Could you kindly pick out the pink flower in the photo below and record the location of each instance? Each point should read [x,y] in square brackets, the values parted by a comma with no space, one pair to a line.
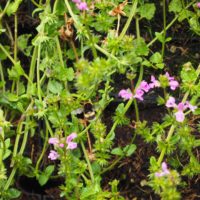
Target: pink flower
[179,116]
[76,1]
[54,141]
[154,82]
[170,78]
[198,4]
[173,84]
[53,155]
[139,94]
[171,102]
[144,86]
[164,171]
[181,106]
[125,94]
[82,6]
[191,107]
[70,144]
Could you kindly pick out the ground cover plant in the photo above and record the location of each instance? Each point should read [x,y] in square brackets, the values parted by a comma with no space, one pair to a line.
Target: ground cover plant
[101,95]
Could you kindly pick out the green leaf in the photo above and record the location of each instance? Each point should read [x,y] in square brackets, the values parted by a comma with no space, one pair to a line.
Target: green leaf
[70,74]
[49,170]
[3,56]
[185,14]
[16,71]
[55,87]
[42,179]
[175,6]
[13,6]
[140,46]
[147,10]
[60,7]
[129,149]
[117,151]
[13,193]
[156,58]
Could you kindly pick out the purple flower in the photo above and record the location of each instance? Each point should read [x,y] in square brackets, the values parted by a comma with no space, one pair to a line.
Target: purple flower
[76,1]
[53,155]
[70,144]
[125,94]
[198,4]
[170,78]
[54,141]
[164,171]
[82,6]
[181,106]
[171,102]
[154,83]
[144,86]
[139,94]
[191,107]
[173,84]
[179,116]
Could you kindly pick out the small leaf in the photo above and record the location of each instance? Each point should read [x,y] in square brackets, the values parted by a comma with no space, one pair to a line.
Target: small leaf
[13,6]
[117,151]
[140,46]
[156,58]
[49,170]
[42,179]
[55,87]
[129,149]
[13,193]
[175,6]
[147,10]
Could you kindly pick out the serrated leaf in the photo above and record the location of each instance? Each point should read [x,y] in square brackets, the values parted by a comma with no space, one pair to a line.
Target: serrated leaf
[13,6]
[175,6]
[147,10]
[141,48]
[156,58]
[55,87]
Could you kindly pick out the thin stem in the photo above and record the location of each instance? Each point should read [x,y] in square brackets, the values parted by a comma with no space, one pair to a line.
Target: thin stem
[15,36]
[164,30]
[169,25]
[162,154]
[38,73]
[32,67]
[118,24]
[7,54]
[137,27]
[59,52]
[136,110]
[2,77]
[43,149]
[128,22]
[4,10]
[88,162]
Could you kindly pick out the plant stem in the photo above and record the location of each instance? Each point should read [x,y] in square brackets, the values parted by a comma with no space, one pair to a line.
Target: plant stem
[164,30]
[162,154]
[2,77]
[88,162]
[169,25]
[32,67]
[15,36]
[132,14]
[43,149]
[137,27]
[38,74]
[7,54]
